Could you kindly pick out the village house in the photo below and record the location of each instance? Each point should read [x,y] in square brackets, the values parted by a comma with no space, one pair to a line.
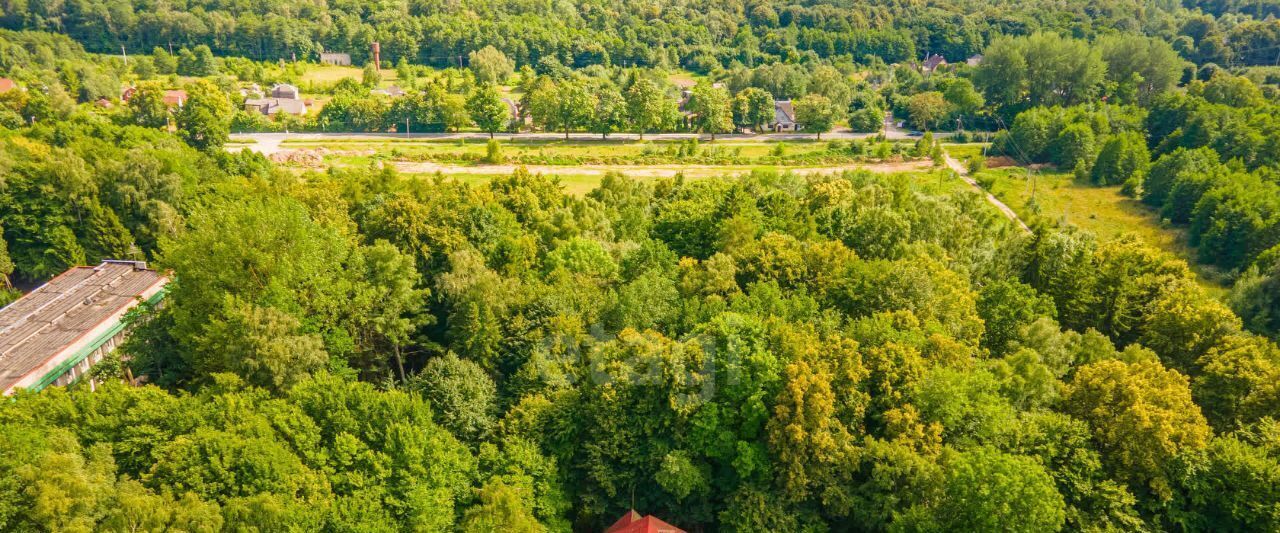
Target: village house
[285,90]
[632,522]
[175,98]
[974,60]
[687,117]
[7,85]
[784,116]
[517,119]
[285,98]
[272,106]
[932,63]
[53,335]
[335,58]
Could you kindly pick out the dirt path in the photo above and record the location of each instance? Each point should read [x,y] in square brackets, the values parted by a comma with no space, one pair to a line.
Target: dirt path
[964,175]
[649,171]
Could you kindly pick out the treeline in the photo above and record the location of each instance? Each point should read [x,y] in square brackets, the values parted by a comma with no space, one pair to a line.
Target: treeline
[578,34]
[763,353]
[702,38]
[595,100]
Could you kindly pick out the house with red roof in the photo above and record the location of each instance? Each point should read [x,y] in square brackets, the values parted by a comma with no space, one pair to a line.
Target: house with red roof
[7,85]
[175,98]
[632,522]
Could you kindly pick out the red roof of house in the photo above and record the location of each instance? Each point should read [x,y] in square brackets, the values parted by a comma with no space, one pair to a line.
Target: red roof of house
[7,85]
[175,97]
[632,522]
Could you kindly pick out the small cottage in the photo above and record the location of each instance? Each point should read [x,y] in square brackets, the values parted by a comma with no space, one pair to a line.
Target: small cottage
[784,116]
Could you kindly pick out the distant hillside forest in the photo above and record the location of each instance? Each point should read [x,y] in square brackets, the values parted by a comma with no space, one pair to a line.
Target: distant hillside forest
[699,35]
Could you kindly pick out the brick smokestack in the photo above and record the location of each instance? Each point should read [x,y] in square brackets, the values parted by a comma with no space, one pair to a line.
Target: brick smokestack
[377,54]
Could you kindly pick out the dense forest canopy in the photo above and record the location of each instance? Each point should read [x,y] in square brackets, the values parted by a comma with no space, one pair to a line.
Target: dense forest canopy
[693,34]
[356,349]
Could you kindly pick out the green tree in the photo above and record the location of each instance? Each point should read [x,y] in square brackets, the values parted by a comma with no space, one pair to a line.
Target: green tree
[490,65]
[274,326]
[1152,62]
[1123,156]
[610,113]
[501,509]
[1142,416]
[927,109]
[985,490]
[648,107]
[815,113]
[713,109]
[198,62]
[563,105]
[205,118]
[867,113]
[964,100]
[148,107]
[753,107]
[463,396]
[371,76]
[451,112]
[165,62]
[488,110]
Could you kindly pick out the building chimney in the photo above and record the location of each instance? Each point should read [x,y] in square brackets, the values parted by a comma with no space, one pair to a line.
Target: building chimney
[377,54]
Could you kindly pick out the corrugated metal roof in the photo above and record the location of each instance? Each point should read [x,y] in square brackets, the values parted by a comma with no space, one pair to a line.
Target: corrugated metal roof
[43,324]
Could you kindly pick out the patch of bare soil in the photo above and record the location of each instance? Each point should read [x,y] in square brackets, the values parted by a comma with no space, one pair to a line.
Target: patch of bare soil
[312,157]
[1000,161]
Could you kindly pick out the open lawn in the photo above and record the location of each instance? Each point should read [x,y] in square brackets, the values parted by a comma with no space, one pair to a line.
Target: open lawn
[1102,211]
[963,151]
[333,73]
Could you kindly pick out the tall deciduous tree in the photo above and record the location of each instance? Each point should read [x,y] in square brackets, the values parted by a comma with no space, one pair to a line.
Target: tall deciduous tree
[753,107]
[1141,414]
[490,65]
[487,109]
[148,107]
[205,118]
[1124,156]
[713,109]
[610,113]
[815,113]
[649,107]
[563,105]
[927,109]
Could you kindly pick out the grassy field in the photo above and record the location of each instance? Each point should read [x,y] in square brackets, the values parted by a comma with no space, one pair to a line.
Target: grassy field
[1102,211]
[964,151]
[418,149]
[334,73]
